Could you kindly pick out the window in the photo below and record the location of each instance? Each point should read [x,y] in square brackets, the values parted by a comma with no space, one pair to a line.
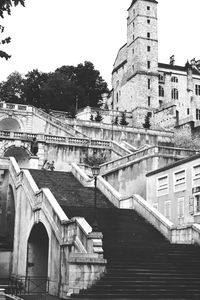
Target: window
[117,97]
[149,101]
[133,67]
[148,7]
[161,78]
[148,35]
[149,83]
[197,203]
[180,210]
[179,181]
[133,24]
[197,89]
[161,91]
[148,48]
[133,37]
[174,94]
[174,79]
[188,111]
[162,185]
[133,51]
[167,209]
[197,114]
[148,64]
[148,21]
[196,176]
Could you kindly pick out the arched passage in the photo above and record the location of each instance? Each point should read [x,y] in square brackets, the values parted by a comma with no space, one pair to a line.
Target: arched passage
[10,215]
[37,258]
[20,154]
[10,124]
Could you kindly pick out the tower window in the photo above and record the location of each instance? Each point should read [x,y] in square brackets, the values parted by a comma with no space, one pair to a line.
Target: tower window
[161,91]
[197,114]
[133,37]
[148,35]
[188,111]
[174,79]
[148,21]
[148,48]
[197,89]
[133,67]
[148,64]
[174,94]
[133,50]
[149,101]
[117,97]
[133,24]
[149,83]
[148,7]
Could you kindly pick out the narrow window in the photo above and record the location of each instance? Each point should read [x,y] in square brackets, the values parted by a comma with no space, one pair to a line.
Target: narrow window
[188,111]
[148,35]
[179,181]
[148,48]
[148,64]
[174,79]
[162,186]
[117,97]
[148,7]
[149,83]
[133,37]
[181,210]
[133,24]
[161,91]
[174,94]
[197,114]
[133,67]
[167,209]
[133,51]
[149,101]
[197,90]
[148,21]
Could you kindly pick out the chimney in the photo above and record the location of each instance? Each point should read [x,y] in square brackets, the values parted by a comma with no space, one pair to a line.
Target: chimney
[172,60]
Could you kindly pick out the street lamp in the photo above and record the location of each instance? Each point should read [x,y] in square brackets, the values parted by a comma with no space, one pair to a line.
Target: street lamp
[95,173]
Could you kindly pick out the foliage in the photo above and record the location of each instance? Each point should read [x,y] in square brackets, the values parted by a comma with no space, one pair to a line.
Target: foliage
[5,7]
[91,118]
[98,117]
[116,121]
[95,160]
[66,89]
[147,123]
[123,119]
[12,90]
[186,140]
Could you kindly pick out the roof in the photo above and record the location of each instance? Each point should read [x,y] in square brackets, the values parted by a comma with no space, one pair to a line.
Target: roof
[121,57]
[173,165]
[133,2]
[177,68]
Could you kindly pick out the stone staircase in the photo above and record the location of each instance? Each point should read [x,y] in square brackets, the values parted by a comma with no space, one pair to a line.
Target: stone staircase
[142,264]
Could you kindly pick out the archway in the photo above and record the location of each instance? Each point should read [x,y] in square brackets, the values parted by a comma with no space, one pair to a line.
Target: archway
[37,259]
[20,154]
[10,124]
[10,216]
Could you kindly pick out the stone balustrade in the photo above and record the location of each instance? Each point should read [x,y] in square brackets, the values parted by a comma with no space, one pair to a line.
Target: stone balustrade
[153,150]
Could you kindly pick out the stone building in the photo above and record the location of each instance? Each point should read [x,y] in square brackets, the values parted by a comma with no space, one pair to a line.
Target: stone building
[140,83]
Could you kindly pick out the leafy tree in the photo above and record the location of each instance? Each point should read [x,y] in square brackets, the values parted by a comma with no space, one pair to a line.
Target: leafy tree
[123,119]
[5,7]
[98,117]
[147,123]
[186,140]
[33,83]
[12,89]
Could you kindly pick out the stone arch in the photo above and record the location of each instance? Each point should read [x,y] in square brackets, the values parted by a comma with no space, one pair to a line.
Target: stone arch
[21,155]
[10,124]
[37,257]
[10,215]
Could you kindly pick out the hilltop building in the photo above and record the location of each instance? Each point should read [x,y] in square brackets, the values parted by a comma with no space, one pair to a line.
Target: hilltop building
[141,83]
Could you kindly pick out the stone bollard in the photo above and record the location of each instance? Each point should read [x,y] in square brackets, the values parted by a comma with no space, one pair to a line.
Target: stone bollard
[2,294]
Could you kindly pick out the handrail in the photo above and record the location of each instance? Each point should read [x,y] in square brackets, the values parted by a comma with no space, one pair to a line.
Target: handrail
[108,166]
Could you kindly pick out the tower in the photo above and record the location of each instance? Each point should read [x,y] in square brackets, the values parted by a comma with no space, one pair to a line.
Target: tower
[142,53]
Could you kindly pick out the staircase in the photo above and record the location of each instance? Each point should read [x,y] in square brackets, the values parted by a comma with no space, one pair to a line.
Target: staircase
[142,264]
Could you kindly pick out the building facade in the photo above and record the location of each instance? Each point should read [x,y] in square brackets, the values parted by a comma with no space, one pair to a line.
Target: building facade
[140,83]
[174,191]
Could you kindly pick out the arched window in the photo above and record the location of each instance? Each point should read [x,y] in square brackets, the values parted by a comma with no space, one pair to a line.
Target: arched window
[174,79]
[161,91]
[174,94]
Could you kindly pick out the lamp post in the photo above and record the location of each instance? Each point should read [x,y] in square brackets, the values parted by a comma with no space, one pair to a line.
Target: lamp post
[95,173]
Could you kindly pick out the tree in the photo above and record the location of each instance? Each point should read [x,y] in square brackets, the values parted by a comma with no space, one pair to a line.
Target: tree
[5,7]
[147,123]
[33,84]
[98,117]
[123,119]
[184,139]
[12,89]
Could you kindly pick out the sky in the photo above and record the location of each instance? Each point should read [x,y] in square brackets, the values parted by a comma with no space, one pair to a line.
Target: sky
[48,34]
